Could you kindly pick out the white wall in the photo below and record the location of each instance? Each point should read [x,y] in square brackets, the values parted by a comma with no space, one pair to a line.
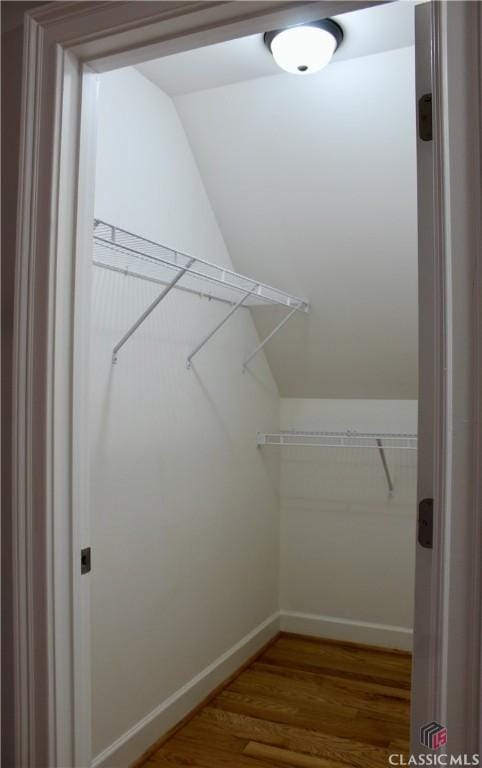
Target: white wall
[313,181]
[185,509]
[347,548]
[185,521]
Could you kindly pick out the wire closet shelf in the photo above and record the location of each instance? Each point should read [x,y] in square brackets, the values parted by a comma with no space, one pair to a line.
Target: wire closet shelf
[121,251]
[378,440]
[349,439]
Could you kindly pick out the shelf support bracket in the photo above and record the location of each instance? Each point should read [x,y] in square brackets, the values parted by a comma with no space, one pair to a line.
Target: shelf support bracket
[150,309]
[220,324]
[381,451]
[270,336]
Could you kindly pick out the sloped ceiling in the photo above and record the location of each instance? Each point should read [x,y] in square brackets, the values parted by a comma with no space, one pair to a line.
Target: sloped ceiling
[373,30]
[313,181]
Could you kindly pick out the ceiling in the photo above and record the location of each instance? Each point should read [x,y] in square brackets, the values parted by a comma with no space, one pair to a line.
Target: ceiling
[368,31]
[313,183]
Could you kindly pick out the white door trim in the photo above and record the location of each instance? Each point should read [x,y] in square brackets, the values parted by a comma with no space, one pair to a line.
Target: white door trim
[458,119]
[51,601]
[447,633]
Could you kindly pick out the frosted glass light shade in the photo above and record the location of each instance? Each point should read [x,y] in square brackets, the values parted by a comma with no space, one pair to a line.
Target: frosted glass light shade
[303,50]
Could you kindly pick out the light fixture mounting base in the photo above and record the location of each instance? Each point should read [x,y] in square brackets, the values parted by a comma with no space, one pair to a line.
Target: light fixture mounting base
[329,25]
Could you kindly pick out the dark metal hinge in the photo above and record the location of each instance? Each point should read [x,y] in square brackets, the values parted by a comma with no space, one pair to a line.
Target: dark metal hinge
[425,523]
[425,117]
[85,563]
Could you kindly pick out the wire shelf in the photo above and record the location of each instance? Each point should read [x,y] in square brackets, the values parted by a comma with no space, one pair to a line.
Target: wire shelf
[348,439]
[122,251]
[378,440]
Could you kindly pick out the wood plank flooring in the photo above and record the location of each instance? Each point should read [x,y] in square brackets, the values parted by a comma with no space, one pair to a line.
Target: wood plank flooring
[304,703]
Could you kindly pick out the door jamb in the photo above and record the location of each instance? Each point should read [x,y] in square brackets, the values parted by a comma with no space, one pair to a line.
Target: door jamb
[49,598]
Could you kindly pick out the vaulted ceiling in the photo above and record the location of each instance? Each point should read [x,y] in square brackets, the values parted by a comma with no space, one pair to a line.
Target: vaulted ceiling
[313,182]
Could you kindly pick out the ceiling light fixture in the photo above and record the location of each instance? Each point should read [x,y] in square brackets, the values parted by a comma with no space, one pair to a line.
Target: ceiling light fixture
[304,49]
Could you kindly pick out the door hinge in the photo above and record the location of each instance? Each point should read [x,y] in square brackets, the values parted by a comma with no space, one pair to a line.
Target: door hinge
[425,117]
[85,563]
[425,523]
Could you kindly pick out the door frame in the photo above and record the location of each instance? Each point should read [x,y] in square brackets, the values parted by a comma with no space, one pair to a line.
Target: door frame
[446,669]
[65,44]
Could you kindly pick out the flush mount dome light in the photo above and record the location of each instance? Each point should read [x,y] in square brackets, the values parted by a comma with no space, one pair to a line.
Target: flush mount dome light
[305,49]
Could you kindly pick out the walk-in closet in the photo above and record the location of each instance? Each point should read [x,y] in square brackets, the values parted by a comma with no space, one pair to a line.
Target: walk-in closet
[253,404]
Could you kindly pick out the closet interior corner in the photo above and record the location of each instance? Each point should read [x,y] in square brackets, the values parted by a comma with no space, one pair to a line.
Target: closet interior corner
[253,404]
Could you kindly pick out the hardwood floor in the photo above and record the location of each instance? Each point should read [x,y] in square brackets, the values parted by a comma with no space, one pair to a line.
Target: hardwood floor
[304,703]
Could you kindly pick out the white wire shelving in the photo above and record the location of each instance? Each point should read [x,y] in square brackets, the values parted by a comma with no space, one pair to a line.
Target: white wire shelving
[347,439]
[121,251]
[380,441]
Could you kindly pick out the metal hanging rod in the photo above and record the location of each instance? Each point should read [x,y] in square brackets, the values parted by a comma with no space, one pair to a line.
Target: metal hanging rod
[380,441]
[119,250]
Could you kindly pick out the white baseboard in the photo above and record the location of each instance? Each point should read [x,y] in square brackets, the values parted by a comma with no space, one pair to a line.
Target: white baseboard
[334,628]
[128,747]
